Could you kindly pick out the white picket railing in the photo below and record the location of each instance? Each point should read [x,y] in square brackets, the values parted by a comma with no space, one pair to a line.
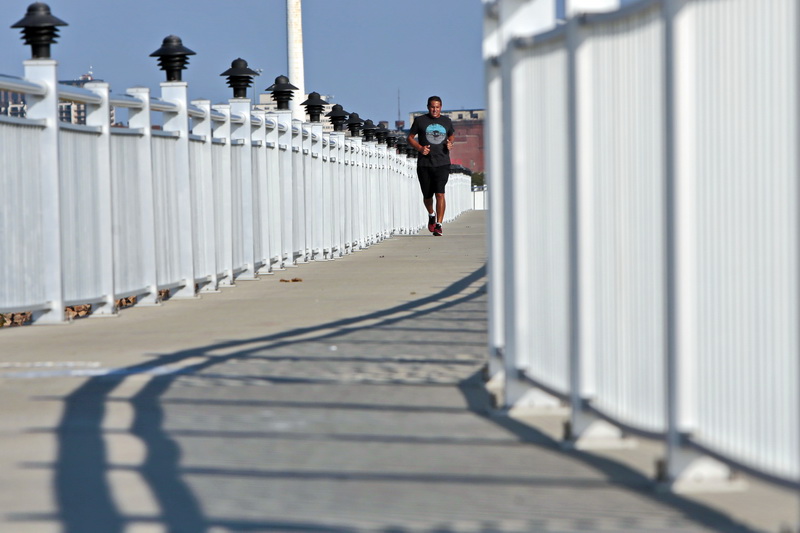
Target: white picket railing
[92,213]
[644,232]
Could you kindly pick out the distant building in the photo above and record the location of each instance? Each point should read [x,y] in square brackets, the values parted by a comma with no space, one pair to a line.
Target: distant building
[13,104]
[468,147]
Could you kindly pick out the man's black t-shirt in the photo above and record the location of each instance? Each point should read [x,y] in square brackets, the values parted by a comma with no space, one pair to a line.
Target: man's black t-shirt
[433,132]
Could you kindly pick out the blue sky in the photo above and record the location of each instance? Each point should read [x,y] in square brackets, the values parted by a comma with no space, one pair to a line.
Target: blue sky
[360,51]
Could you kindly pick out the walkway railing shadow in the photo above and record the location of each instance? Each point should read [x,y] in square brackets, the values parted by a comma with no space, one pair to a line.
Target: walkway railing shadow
[425,343]
[81,471]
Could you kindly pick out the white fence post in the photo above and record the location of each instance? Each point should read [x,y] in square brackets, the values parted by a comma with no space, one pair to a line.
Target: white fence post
[316,191]
[582,203]
[203,128]
[139,119]
[392,186]
[347,194]
[354,194]
[370,184]
[337,181]
[261,183]
[328,222]
[223,200]
[99,116]
[274,195]
[299,238]
[241,134]
[176,92]
[45,107]
[284,119]
[384,192]
[516,277]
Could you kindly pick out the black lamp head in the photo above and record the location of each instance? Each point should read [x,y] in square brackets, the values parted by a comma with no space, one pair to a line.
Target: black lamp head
[314,106]
[39,29]
[354,124]
[240,77]
[172,57]
[338,117]
[382,133]
[369,129]
[282,91]
[402,144]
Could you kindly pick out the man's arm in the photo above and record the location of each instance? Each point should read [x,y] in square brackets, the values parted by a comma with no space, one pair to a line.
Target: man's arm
[424,150]
[451,136]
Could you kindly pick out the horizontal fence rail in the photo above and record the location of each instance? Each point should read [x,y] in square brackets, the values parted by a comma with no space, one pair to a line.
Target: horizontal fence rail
[644,233]
[204,196]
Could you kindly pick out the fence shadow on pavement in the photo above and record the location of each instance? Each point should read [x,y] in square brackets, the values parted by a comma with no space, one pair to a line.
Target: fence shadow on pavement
[426,348]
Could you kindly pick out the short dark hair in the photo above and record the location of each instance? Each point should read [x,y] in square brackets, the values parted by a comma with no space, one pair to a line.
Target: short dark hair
[434,99]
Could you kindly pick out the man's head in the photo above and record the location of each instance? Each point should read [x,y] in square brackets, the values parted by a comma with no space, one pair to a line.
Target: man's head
[435,106]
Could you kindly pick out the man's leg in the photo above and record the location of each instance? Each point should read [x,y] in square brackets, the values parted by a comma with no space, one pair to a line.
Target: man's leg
[427,185]
[442,174]
[428,204]
[440,205]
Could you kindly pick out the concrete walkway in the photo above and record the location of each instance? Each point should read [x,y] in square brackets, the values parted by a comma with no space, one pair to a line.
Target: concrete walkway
[352,400]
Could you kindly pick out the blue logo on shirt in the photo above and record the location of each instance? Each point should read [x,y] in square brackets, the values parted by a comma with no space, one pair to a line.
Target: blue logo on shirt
[435,133]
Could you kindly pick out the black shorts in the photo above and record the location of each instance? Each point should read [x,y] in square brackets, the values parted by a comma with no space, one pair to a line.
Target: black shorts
[433,179]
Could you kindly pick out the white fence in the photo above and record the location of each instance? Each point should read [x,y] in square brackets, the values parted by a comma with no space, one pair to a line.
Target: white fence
[92,213]
[644,222]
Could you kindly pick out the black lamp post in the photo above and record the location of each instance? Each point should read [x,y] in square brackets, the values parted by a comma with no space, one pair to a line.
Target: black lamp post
[382,134]
[402,144]
[391,140]
[240,77]
[338,117]
[354,124]
[314,106]
[282,91]
[172,57]
[39,29]
[369,131]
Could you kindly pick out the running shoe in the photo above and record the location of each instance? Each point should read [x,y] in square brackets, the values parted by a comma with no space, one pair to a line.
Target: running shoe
[437,230]
[431,222]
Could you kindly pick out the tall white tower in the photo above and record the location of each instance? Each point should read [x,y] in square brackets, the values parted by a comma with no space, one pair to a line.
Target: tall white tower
[294,41]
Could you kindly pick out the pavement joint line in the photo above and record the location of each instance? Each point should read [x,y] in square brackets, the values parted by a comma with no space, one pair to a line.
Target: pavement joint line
[49,364]
[95,372]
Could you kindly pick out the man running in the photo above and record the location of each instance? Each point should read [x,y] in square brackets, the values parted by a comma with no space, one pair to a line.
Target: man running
[436,135]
